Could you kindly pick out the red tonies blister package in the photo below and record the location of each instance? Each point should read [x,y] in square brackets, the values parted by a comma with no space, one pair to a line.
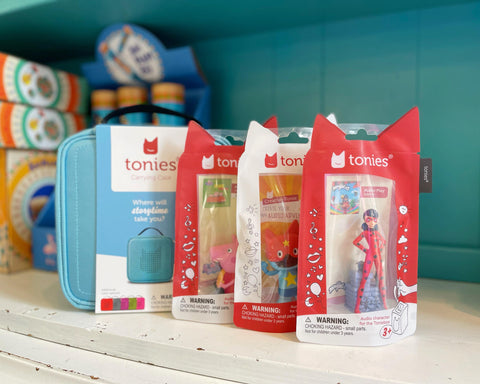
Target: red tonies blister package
[358,239]
[205,229]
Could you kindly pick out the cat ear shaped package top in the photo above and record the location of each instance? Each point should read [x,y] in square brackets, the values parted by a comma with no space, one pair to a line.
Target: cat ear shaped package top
[358,243]
[205,229]
[268,213]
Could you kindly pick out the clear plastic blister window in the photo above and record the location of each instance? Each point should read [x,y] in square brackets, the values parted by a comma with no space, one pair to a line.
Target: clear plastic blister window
[360,233]
[279,213]
[217,197]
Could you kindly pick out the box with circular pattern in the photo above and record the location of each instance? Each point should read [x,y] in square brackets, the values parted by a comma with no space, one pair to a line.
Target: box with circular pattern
[27,179]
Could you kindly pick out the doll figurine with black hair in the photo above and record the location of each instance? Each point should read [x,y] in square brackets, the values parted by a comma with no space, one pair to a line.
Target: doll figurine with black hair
[376,244]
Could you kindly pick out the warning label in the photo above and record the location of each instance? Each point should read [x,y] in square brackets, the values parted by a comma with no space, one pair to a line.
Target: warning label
[266,317]
[371,328]
[161,302]
[194,304]
[330,326]
[208,308]
[342,326]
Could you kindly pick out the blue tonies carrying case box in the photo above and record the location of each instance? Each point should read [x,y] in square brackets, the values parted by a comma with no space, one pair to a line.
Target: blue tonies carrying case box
[76,216]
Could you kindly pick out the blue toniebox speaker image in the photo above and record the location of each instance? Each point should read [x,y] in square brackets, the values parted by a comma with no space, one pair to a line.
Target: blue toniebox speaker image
[150,258]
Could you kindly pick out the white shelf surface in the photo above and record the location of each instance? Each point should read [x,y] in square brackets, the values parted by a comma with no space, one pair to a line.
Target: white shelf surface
[445,348]
[33,360]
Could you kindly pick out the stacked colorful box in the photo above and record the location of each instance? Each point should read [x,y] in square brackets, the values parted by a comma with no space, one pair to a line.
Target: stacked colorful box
[39,108]
[26,82]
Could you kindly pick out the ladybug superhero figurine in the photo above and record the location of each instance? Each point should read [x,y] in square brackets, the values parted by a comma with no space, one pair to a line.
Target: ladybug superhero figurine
[376,244]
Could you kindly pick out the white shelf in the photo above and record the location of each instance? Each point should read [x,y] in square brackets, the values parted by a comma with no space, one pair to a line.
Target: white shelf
[445,348]
[45,362]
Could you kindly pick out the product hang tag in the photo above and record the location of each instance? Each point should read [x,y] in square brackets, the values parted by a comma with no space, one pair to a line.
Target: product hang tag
[425,176]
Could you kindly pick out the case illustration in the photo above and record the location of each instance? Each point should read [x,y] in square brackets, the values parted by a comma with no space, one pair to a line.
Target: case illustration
[150,258]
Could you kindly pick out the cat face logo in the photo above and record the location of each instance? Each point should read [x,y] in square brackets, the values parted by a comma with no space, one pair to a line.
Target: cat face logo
[150,147]
[338,161]
[207,162]
[271,161]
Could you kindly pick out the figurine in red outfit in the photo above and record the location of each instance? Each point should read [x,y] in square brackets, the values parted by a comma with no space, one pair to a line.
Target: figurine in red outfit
[376,244]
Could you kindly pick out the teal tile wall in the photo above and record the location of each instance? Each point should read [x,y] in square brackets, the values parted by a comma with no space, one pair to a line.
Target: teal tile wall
[373,70]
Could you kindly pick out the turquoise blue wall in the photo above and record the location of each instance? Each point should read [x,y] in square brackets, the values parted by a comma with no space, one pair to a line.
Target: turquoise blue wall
[373,70]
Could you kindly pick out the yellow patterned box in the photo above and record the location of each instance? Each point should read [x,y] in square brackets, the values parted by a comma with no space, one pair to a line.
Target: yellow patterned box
[26,82]
[27,179]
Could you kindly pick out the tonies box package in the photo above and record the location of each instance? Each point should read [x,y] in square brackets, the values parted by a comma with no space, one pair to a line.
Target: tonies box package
[136,182]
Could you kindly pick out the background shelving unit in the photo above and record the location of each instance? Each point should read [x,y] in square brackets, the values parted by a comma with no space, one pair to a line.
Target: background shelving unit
[365,61]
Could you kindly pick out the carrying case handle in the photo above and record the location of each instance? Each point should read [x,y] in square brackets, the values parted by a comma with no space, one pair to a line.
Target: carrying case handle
[146,108]
[146,229]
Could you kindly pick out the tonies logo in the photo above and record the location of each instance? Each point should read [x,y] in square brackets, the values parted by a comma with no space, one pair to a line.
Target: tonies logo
[150,147]
[150,165]
[272,161]
[338,161]
[208,162]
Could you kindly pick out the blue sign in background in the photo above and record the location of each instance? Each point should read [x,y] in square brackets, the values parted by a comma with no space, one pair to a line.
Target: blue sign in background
[179,65]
